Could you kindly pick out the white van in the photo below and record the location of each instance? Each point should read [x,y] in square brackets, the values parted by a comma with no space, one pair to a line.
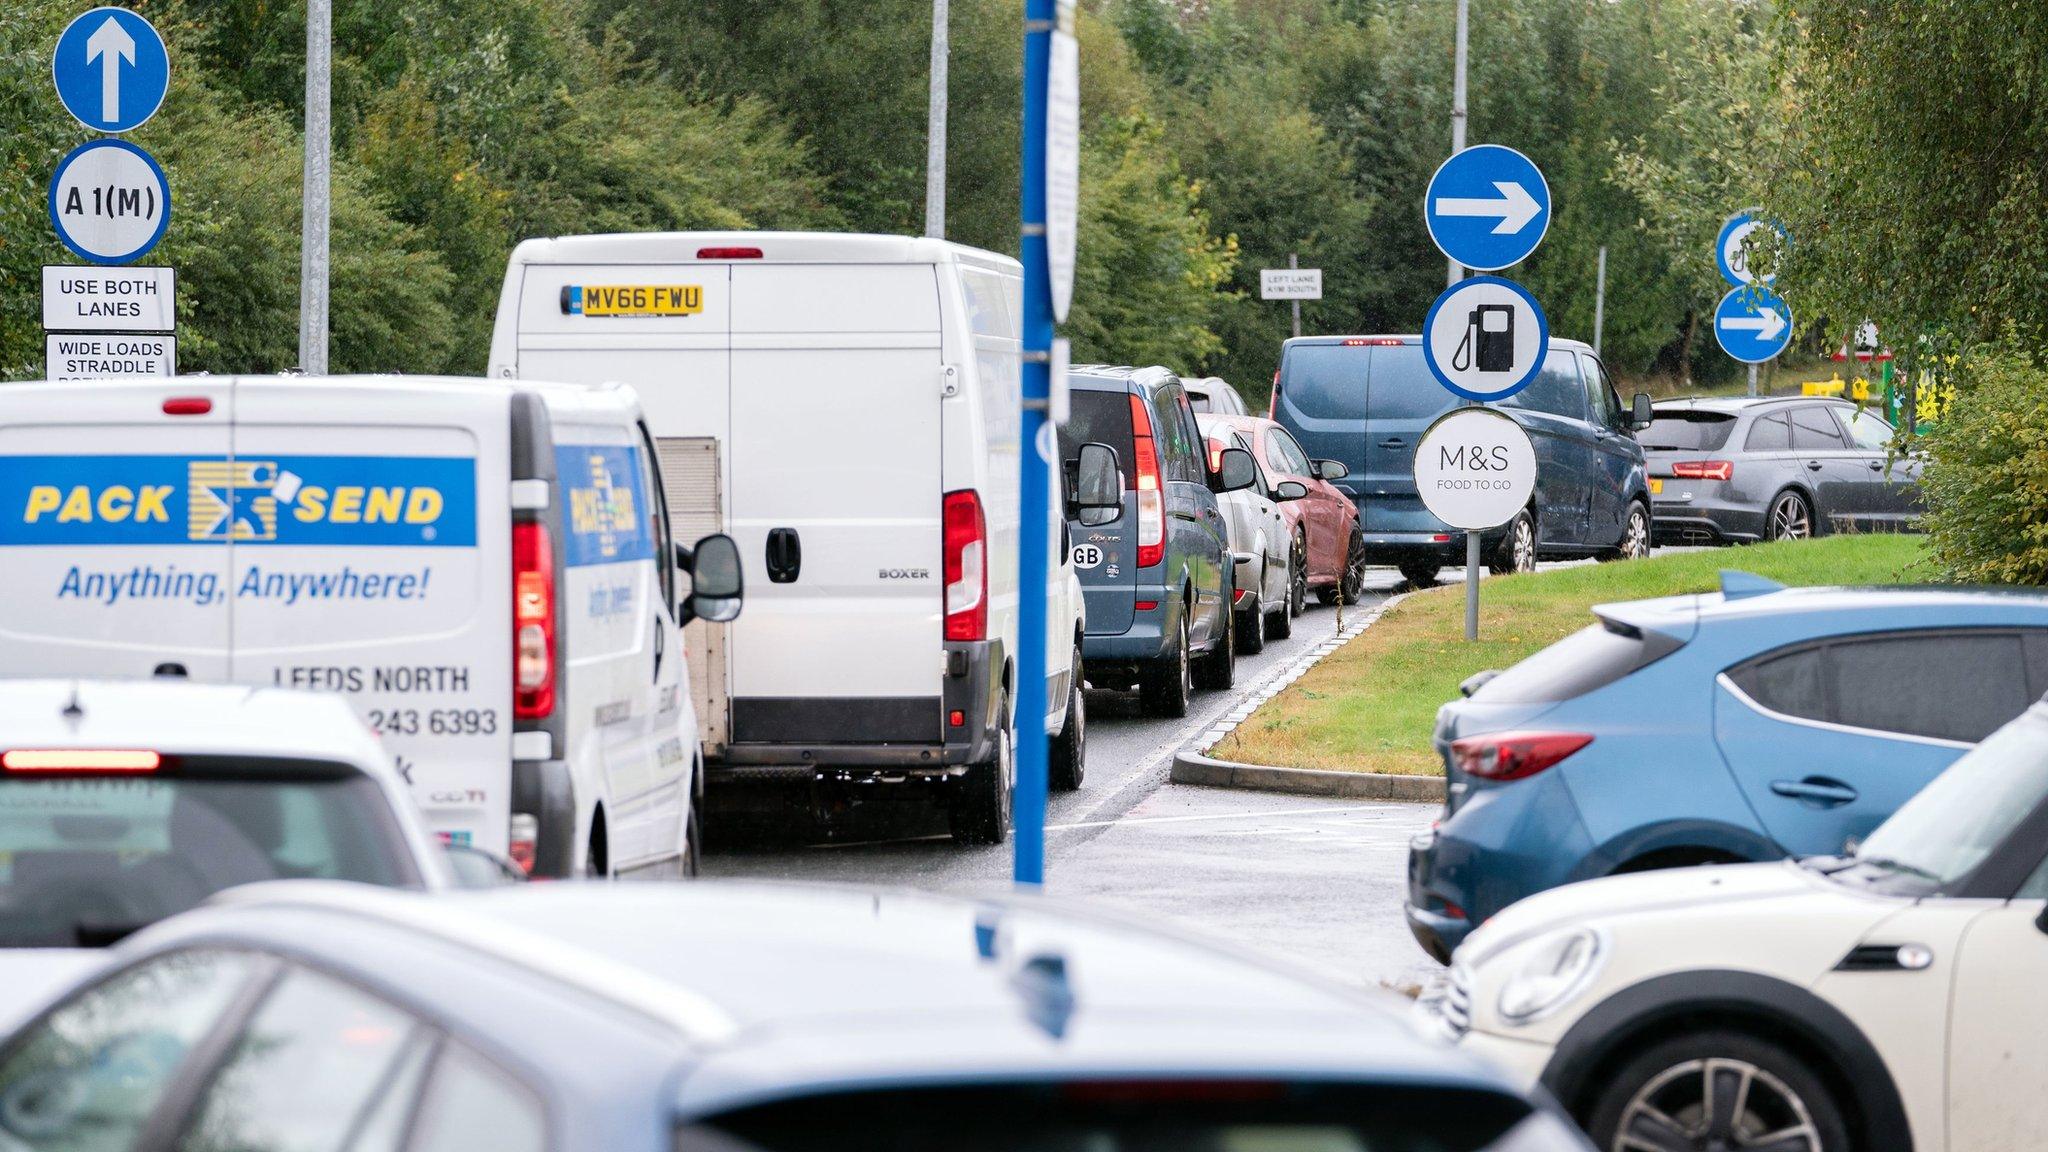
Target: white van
[484,572]
[856,400]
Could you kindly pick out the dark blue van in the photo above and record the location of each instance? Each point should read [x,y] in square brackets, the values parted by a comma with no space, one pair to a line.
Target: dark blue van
[1366,401]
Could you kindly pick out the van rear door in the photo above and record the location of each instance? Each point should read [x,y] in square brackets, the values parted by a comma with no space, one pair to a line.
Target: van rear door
[1403,398]
[1105,555]
[373,559]
[116,517]
[836,502]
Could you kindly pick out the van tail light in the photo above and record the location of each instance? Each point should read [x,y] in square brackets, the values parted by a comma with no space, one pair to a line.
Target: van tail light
[1273,397]
[728,253]
[1704,469]
[533,621]
[523,845]
[966,567]
[1514,755]
[108,761]
[1151,499]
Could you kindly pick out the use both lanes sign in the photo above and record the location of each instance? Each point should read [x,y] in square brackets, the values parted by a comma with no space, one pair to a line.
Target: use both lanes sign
[109,299]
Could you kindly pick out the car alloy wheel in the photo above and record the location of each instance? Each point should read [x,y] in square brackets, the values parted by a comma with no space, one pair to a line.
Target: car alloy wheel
[1297,567]
[1789,518]
[1716,1104]
[1522,544]
[1635,538]
[1352,588]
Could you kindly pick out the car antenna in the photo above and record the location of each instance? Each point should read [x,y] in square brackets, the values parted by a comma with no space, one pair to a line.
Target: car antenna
[73,711]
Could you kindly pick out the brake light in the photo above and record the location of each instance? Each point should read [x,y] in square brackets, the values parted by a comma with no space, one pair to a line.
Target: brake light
[1514,755]
[1151,501]
[533,621]
[523,845]
[728,253]
[966,567]
[1237,596]
[1215,455]
[1704,469]
[1376,342]
[188,406]
[106,760]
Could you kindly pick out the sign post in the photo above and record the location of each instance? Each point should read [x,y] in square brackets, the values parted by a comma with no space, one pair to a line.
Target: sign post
[1475,469]
[1293,284]
[1766,319]
[110,204]
[1050,201]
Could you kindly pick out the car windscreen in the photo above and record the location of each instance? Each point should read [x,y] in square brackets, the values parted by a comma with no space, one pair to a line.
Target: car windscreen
[1687,432]
[1143,1116]
[1581,662]
[87,859]
[1097,417]
[1953,824]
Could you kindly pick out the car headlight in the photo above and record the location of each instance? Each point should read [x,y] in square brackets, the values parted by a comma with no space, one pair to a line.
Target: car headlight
[1557,968]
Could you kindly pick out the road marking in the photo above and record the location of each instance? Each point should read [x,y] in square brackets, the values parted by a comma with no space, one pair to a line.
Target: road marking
[1212,816]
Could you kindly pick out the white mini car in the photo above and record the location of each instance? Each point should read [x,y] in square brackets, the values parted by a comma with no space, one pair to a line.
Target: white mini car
[1261,542]
[1893,998]
[122,803]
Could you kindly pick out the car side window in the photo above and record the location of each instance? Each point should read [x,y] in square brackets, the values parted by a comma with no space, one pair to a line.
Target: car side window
[657,518]
[1769,434]
[1814,430]
[1600,398]
[1965,686]
[1791,683]
[87,1077]
[1283,448]
[1869,433]
[1172,437]
[470,1104]
[1187,420]
[1556,388]
[316,1058]
[1260,484]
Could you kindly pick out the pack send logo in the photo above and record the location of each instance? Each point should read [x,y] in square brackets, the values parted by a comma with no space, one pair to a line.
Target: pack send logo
[314,500]
[606,520]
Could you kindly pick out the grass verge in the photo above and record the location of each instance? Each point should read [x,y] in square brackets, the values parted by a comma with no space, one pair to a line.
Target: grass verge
[1371,705]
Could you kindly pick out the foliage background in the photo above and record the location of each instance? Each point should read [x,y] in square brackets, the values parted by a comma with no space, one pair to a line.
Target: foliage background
[1221,135]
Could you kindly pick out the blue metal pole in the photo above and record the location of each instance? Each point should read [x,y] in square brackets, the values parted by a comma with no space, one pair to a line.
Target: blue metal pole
[1035,500]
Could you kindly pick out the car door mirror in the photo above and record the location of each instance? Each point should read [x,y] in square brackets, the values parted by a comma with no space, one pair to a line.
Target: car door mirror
[717,583]
[1098,486]
[1289,490]
[1331,470]
[1235,471]
[1640,413]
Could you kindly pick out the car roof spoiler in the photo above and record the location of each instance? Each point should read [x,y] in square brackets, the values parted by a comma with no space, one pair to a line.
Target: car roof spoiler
[1739,585]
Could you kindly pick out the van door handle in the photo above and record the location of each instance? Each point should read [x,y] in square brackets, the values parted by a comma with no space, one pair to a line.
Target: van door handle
[1818,791]
[1813,465]
[785,555]
[1875,465]
[660,646]
[1393,442]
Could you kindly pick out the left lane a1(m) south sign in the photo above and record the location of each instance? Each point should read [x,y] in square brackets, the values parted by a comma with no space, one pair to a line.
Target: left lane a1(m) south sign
[111,70]
[1485,338]
[110,201]
[1487,207]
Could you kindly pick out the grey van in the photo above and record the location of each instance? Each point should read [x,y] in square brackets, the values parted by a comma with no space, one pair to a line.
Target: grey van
[1158,575]
[1366,400]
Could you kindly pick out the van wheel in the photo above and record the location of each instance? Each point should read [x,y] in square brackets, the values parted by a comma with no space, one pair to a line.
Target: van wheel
[1218,667]
[1251,624]
[1421,573]
[692,836]
[1165,684]
[981,798]
[1635,535]
[1069,760]
[1717,1090]
[1517,549]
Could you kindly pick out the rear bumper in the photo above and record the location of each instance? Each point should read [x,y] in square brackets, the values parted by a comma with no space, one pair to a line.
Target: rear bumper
[1148,637]
[863,746]
[1398,548]
[1504,843]
[1705,522]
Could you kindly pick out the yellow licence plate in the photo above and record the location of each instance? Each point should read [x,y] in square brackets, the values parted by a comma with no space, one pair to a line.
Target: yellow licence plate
[1656,486]
[635,300]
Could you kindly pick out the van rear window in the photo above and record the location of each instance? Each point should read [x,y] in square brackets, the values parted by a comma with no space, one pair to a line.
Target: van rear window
[85,860]
[1687,432]
[1099,418]
[1325,381]
[1401,386]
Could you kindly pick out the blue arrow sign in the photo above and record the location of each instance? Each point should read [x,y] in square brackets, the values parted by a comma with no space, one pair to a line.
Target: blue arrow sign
[1732,259]
[111,70]
[1753,324]
[1487,207]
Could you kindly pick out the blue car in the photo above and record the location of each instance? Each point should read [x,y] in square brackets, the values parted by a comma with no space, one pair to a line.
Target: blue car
[1365,401]
[1750,725]
[724,1018]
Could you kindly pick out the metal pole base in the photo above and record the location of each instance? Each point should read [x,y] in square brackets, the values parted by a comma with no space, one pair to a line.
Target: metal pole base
[1471,585]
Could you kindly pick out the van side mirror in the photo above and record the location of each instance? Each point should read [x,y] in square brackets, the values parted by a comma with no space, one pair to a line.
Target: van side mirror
[1640,412]
[1330,470]
[717,583]
[476,867]
[1098,486]
[1235,470]
[1289,490]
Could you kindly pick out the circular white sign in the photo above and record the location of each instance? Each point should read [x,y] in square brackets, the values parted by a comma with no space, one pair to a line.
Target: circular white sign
[109,201]
[1475,468]
[1485,338]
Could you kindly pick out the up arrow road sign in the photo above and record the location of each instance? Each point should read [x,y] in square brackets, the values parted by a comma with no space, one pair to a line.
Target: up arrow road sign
[111,70]
[1487,207]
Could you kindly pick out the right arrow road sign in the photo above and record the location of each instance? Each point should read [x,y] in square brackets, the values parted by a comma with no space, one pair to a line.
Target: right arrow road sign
[1753,324]
[1487,207]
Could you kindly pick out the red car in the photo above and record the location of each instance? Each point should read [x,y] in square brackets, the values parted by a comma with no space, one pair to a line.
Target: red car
[1329,546]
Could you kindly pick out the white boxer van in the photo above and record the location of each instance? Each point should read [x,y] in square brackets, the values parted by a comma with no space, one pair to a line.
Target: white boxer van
[484,572]
[856,399]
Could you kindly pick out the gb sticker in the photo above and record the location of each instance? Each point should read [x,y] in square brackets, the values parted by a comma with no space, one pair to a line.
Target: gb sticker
[1087,556]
